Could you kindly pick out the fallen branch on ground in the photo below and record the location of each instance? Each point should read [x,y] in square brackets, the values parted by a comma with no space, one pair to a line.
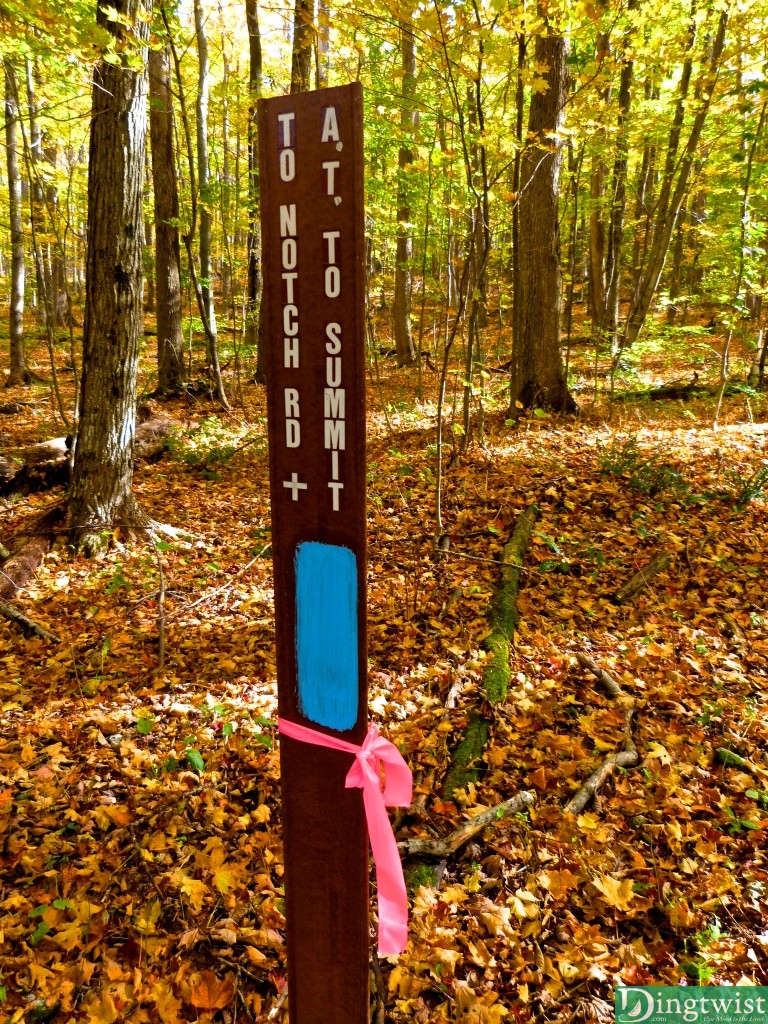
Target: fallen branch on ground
[448,845]
[610,684]
[626,758]
[27,624]
[660,561]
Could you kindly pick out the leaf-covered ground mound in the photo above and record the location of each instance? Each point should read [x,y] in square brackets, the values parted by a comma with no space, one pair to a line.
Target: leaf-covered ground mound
[140,842]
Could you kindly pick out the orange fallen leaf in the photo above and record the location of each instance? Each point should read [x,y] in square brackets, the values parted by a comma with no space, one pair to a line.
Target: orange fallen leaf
[211,993]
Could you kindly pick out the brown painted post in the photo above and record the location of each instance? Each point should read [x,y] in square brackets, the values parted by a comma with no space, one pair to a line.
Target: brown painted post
[311,178]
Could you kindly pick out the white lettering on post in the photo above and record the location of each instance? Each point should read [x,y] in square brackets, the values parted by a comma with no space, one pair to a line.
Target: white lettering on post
[332,282]
[288,221]
[289,253]
[330,237]
[333,403]
[286,121]
[333,371]
[335,487]
[291,396]
[329,166]
[335,434]
[333,333]
[330,126]
[290,321]
[292,434]
[287,165]
[289,279]
[291,353]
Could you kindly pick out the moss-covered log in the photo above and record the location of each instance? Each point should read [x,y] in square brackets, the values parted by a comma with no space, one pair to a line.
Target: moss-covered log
[504,614]
[466,756]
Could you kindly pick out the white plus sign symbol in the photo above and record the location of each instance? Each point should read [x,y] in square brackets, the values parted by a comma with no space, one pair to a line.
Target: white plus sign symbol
[294,486]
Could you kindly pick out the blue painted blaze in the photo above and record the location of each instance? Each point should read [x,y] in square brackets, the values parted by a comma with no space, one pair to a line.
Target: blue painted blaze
[326,634]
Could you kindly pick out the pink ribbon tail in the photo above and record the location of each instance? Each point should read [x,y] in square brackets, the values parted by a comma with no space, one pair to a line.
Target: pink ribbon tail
[365,773]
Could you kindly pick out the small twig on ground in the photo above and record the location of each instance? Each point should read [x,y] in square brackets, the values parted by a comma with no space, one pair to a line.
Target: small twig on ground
[608,682]
[218,590]
[448,845]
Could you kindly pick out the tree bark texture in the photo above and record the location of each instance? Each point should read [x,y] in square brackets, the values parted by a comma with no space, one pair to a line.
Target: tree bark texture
[101,494]
[170,339]
[538,375]
[203,172]
[17,358]
[301,57]
[675,181]
[401,306]
[253,335]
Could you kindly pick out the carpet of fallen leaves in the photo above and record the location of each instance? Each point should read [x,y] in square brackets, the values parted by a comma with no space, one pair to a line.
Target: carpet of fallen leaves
[140,842]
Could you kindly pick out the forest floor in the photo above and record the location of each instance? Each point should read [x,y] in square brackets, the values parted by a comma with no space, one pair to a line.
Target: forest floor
[140,838]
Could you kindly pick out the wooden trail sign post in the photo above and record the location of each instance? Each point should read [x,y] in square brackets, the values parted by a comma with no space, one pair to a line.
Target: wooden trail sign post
[311,178]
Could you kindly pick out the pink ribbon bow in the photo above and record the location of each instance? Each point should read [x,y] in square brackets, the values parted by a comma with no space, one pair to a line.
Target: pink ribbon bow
[397,792]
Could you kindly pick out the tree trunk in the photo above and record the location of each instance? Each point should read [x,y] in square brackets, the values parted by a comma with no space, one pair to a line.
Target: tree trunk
[618,202]
[253,335]
[101,494]
[673,189]
[170,339]
[37,201]
[203,172]
[18,366]
[401,308]
[301,57]
[538,376]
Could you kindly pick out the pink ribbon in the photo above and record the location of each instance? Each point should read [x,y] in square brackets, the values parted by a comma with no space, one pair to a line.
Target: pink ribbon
[397,792]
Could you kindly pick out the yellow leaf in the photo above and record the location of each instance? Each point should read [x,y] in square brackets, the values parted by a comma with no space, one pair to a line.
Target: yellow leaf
[261,814]
[102,1010]
[196,891]
[224,879]
[658,752]
[617,892]
[166,1003]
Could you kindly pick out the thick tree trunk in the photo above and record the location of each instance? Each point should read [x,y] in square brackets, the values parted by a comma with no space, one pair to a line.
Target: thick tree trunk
[301,56]
[538,375]
[101,494]
[401,307]
[18,367]
[253,335]
[170,339]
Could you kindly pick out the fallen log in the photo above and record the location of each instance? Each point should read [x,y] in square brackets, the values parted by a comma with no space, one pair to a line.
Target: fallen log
[504,614]
[46,465]
[660,561]
[503,617]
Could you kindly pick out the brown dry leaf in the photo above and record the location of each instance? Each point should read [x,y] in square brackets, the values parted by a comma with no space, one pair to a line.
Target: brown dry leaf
[212,993]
